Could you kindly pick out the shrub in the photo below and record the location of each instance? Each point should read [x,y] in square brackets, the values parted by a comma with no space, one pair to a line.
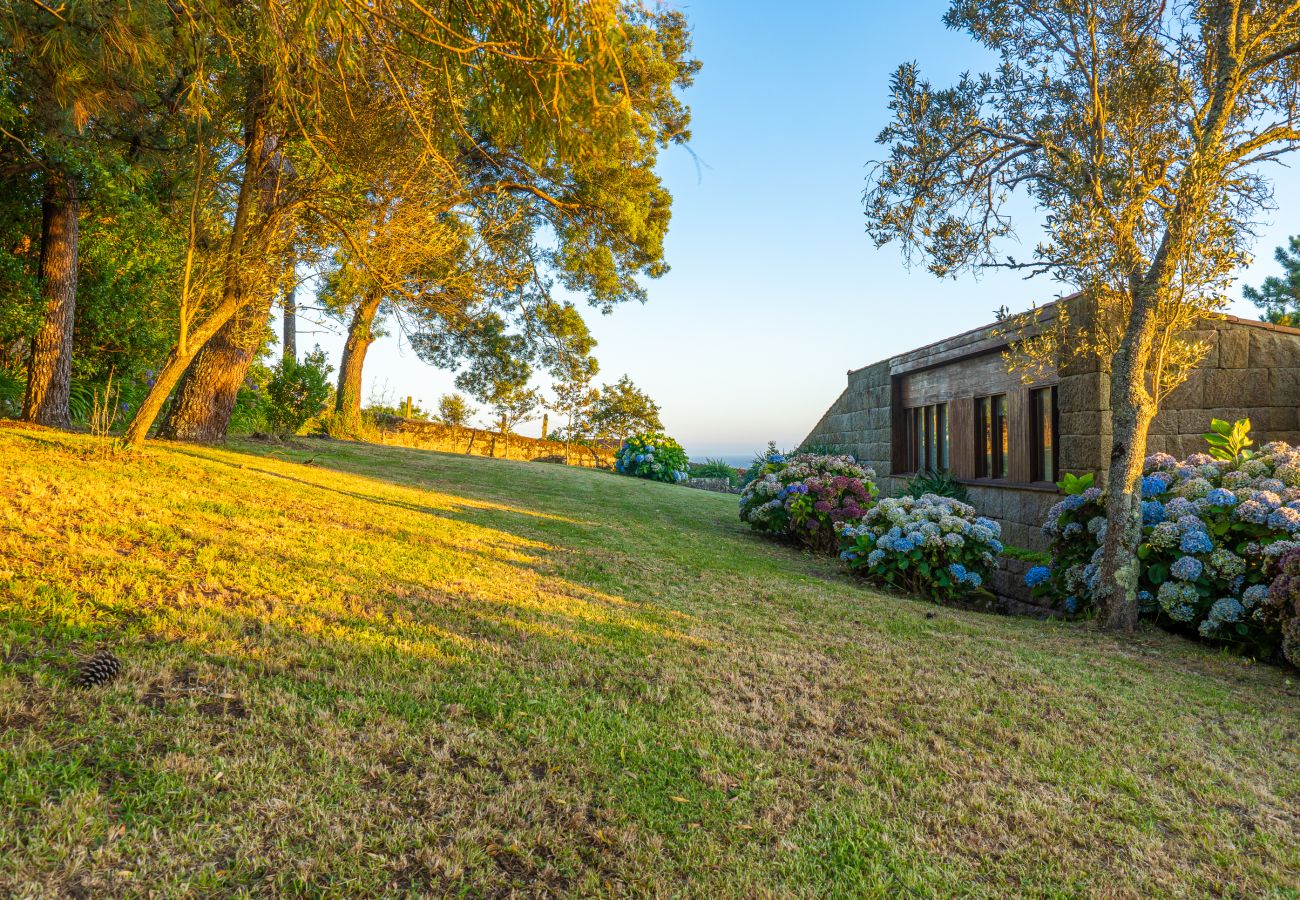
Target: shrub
[298,392]
[761,460]
[1212,529]
[654,456]
[713,468]
[939,483]
[933,546]
[1283,604]
[806,495]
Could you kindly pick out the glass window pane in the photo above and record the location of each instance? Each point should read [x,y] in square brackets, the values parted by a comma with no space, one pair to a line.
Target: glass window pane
[1001,436]
[941,432]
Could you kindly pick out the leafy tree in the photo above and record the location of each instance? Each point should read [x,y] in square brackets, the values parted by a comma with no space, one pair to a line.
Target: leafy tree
[1139,130]
[622,409]
[575,398]
[286,72]
[455,412]
[513,404]
[1279,295]
[70,74]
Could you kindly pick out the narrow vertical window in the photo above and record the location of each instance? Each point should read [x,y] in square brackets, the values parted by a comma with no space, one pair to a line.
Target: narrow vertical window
[1046,445]
[991,436]
[941,436]
[1001,436]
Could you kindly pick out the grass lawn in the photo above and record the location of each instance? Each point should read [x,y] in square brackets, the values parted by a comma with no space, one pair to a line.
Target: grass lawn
[356,670]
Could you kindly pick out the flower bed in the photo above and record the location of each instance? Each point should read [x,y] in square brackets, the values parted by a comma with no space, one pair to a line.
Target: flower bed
[933,546]
[806,495]
[654,456]
[1212,530]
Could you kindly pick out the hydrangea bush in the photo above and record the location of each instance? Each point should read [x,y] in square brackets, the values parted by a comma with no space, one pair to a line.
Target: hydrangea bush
[654,456]
[930,545]
[805,496]
[1283,604]
[1211,531]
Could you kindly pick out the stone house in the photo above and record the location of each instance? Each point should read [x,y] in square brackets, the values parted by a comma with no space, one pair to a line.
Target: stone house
[952,405]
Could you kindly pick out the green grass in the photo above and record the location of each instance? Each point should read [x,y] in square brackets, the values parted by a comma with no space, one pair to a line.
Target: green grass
[357,671]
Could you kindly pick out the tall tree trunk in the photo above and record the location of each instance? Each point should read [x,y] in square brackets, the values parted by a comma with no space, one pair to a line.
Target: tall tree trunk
[256,109]
[205,399]
[347,399]
[49,371]
[291,322]
[1131,408]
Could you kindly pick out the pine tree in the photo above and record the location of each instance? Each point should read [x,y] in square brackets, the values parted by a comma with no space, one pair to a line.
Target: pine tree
[1279,295]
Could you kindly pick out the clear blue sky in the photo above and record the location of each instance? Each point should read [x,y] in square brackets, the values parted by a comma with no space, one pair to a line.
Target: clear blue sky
[775,290]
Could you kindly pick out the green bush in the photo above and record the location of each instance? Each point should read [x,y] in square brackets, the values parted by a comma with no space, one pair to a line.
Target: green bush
[939,483]
[298,392]
[654,456]
[713,468]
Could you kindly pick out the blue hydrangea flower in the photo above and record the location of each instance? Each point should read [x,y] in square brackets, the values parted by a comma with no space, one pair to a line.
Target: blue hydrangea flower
[1153,512]
[1154,485]
[1037,575]
[974,579]
[1196,542]
[1221,497]
[1070,605]
[958,571]
[1186,568]
[1254,596]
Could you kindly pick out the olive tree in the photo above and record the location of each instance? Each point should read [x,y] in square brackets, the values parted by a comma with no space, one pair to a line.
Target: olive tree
[1140,131]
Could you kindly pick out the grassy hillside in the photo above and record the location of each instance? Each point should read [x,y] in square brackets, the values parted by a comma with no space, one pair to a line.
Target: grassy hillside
[356,670]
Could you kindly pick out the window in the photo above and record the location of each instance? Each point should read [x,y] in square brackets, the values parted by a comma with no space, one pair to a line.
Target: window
[992,436]
[1046,461]
[927,437]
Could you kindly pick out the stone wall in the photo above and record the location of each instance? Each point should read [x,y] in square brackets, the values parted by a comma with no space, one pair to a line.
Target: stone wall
[477,442]
[858,422]
[1252,370]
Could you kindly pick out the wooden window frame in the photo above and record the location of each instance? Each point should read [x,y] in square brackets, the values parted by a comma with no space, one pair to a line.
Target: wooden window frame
[921,444]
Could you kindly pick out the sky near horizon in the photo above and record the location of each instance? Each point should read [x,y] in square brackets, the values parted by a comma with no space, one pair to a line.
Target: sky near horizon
[775,290]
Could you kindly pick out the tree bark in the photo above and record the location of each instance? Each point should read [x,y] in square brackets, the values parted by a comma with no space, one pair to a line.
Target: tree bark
[256,110]
[205,399]
[49,371]
[291,323]
[1132,409]
[347,399]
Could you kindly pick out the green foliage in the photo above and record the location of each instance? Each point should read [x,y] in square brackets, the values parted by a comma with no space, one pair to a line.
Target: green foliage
[623,409]
[937,482]
[1075,484]
[250,412]
[654,456]
[13,387]
[298,392]
[454,410]
[1279,296]
[713,468]
[1229,441]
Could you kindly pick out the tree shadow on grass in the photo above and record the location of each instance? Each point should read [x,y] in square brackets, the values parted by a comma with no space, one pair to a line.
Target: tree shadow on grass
[243,567]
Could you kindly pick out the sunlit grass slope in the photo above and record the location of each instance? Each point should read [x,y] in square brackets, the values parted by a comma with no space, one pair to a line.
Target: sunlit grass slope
[358,671]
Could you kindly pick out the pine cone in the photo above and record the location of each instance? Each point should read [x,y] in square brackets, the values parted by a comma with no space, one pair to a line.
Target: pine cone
[99,669]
